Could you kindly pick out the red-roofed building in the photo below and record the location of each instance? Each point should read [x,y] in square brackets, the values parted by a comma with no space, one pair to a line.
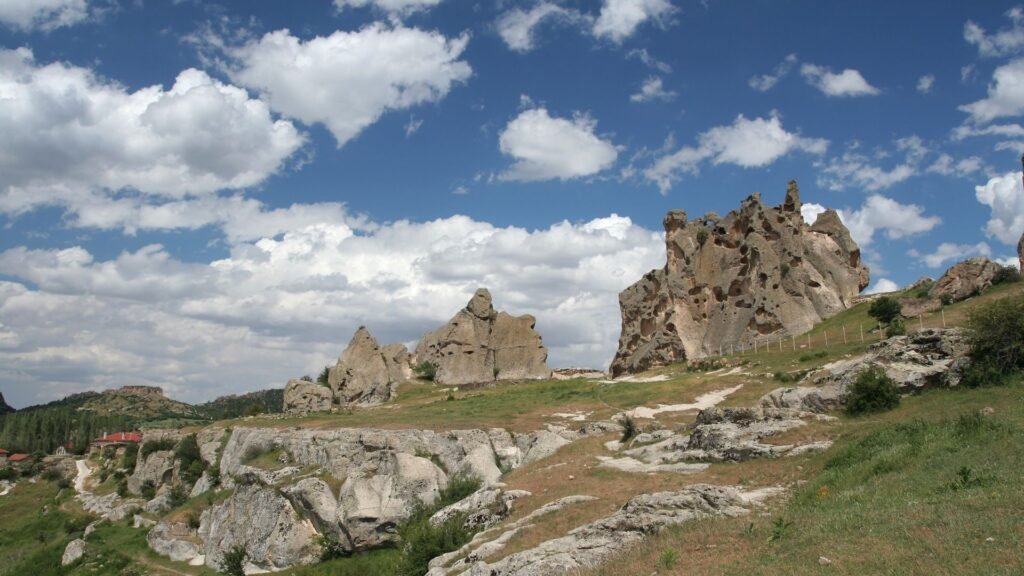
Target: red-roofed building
[118,439]
[15,458]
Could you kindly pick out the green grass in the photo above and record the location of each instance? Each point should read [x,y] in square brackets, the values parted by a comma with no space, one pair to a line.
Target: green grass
[35,528]
[117,549]
[375,563]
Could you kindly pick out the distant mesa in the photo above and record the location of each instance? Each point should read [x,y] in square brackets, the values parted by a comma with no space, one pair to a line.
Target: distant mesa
[480,344]
[142,390]
[759,271]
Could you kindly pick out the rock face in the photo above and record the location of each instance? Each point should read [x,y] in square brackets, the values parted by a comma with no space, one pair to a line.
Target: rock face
[924,359]
[158,467]
[74,550]
[911,307]
[367,374]
[301,396]
[965,279]
[482,345]
[758,271]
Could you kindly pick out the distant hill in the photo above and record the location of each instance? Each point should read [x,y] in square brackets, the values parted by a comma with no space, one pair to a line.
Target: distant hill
[142,403]
[4,408]
[233,406]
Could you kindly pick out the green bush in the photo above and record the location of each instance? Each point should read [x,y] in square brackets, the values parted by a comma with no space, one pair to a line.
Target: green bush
[157,446]
[425,371]
[131,455]
[895,328]
[233,563]
[996,341]
[873,391]
[629,429]
[191,463]
[324,376]
[702,236]
[177,496]
[813,355]
[1006,275]
[148,490]
[884,309]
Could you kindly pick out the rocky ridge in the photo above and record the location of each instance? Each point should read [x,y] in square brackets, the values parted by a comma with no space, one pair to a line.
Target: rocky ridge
[965,279]
[759,270]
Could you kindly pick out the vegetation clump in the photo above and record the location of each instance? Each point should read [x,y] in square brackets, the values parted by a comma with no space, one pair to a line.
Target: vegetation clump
[156,446]
[873,391]
[425,371]
[997,342]
[885,309]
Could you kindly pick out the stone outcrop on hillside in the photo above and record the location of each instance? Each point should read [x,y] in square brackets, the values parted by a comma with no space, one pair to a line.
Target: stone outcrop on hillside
[1020,261]
[758,271]
[367,374]
[303,397]
[480,344]
[935,357]
[965,279]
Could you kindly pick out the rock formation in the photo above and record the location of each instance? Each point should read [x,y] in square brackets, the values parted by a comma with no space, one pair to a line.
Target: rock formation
[303,396]
[367,374]
[4,407]
[1020,254]
[758,271]
[965,279]
[482,345]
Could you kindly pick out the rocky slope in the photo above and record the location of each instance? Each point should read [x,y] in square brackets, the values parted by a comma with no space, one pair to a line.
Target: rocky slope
[480,344]
[758,271]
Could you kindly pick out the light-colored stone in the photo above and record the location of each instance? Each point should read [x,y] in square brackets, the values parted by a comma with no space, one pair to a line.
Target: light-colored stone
[175,540]
[965,279]
[480,344]
[158,467]
[303,397]
[911,307]
[482,509]
[72,552]
[367,374]
[757,272]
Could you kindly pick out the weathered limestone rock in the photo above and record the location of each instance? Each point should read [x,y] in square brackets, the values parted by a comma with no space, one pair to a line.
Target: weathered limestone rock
[173,539]
[924,359]
[314,498]
[74,550]
[483,508]
[590,544]
[158,467]
[965,279]
[367,374]
[261,519]
[911,307]
[482,345]
[301,396]
[758,271]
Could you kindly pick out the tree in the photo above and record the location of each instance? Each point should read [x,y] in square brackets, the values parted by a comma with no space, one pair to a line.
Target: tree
[884,309]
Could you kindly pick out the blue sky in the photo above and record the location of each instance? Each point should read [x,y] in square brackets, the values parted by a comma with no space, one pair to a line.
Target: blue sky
[211,197]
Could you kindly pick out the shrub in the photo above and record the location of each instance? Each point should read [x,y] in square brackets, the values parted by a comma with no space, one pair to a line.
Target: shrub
[177,496]
[813,355]
[187,453]
[233,563]
[157,446]
[148,490]
[895,328]
[324,376]
[253,410]
[131,455]
[629,429]
[884,309]
[425,371]
[8,474]
[873,391]
[702,237]
[331,549]
[193,520]
[122,488]
[1006,275]
[997,342]
[306,378]
[784,270]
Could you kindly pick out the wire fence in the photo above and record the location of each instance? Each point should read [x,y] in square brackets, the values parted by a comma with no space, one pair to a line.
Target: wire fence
[832,336]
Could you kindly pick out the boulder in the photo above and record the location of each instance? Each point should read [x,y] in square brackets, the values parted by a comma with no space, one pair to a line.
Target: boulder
[756,272]
[301,396]
[481,345]
[965,279]
[367,374]
[72,552]
[482,509]
[172,539]
[313,497]
[259,518]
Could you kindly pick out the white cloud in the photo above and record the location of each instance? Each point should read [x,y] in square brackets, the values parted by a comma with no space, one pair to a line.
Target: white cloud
[516,27]
[619,19]
[746,143]
[412,126]
[946,165]
[278,308]
[70,136]
[855,169]
[882,285]
[45,15]
[1004,130]
[883,214]
[348,80]
[766,82]
[650,61]
[1005,95]
[848,83]
[546,148]
[394,8]
[925,83]
[651,90]
[949,252]
[1006,41]
[1004,195]
[810,211]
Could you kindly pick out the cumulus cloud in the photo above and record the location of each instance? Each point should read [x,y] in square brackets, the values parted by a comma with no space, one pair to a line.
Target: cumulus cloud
[1005,41]
[1005,95]
[810,211]
[1004,195]
[881,286]
[45,15]
[651,90]
[949,252]
[848,83]
[925,83]
[394,8]
[348,80]
[70,137]
[516,27]
[546,148]
[276,308]
[747,143]
[619,19]
[882,214]
[651,62]
[766,82]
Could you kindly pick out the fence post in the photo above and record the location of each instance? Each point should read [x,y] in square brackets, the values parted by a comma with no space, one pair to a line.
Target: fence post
[920,319]
[793,338]
[808,340]
[943,312]
[844,333]
[826,338]
[861,326]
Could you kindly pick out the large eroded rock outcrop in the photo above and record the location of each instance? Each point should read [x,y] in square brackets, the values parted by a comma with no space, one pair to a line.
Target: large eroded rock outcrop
[758,271]
[965,279]
[480,344]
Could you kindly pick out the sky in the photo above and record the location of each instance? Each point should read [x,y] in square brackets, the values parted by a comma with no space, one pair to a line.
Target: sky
[212,196]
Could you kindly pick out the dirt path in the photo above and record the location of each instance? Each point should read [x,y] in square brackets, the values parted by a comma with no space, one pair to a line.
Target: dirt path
[83,472]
